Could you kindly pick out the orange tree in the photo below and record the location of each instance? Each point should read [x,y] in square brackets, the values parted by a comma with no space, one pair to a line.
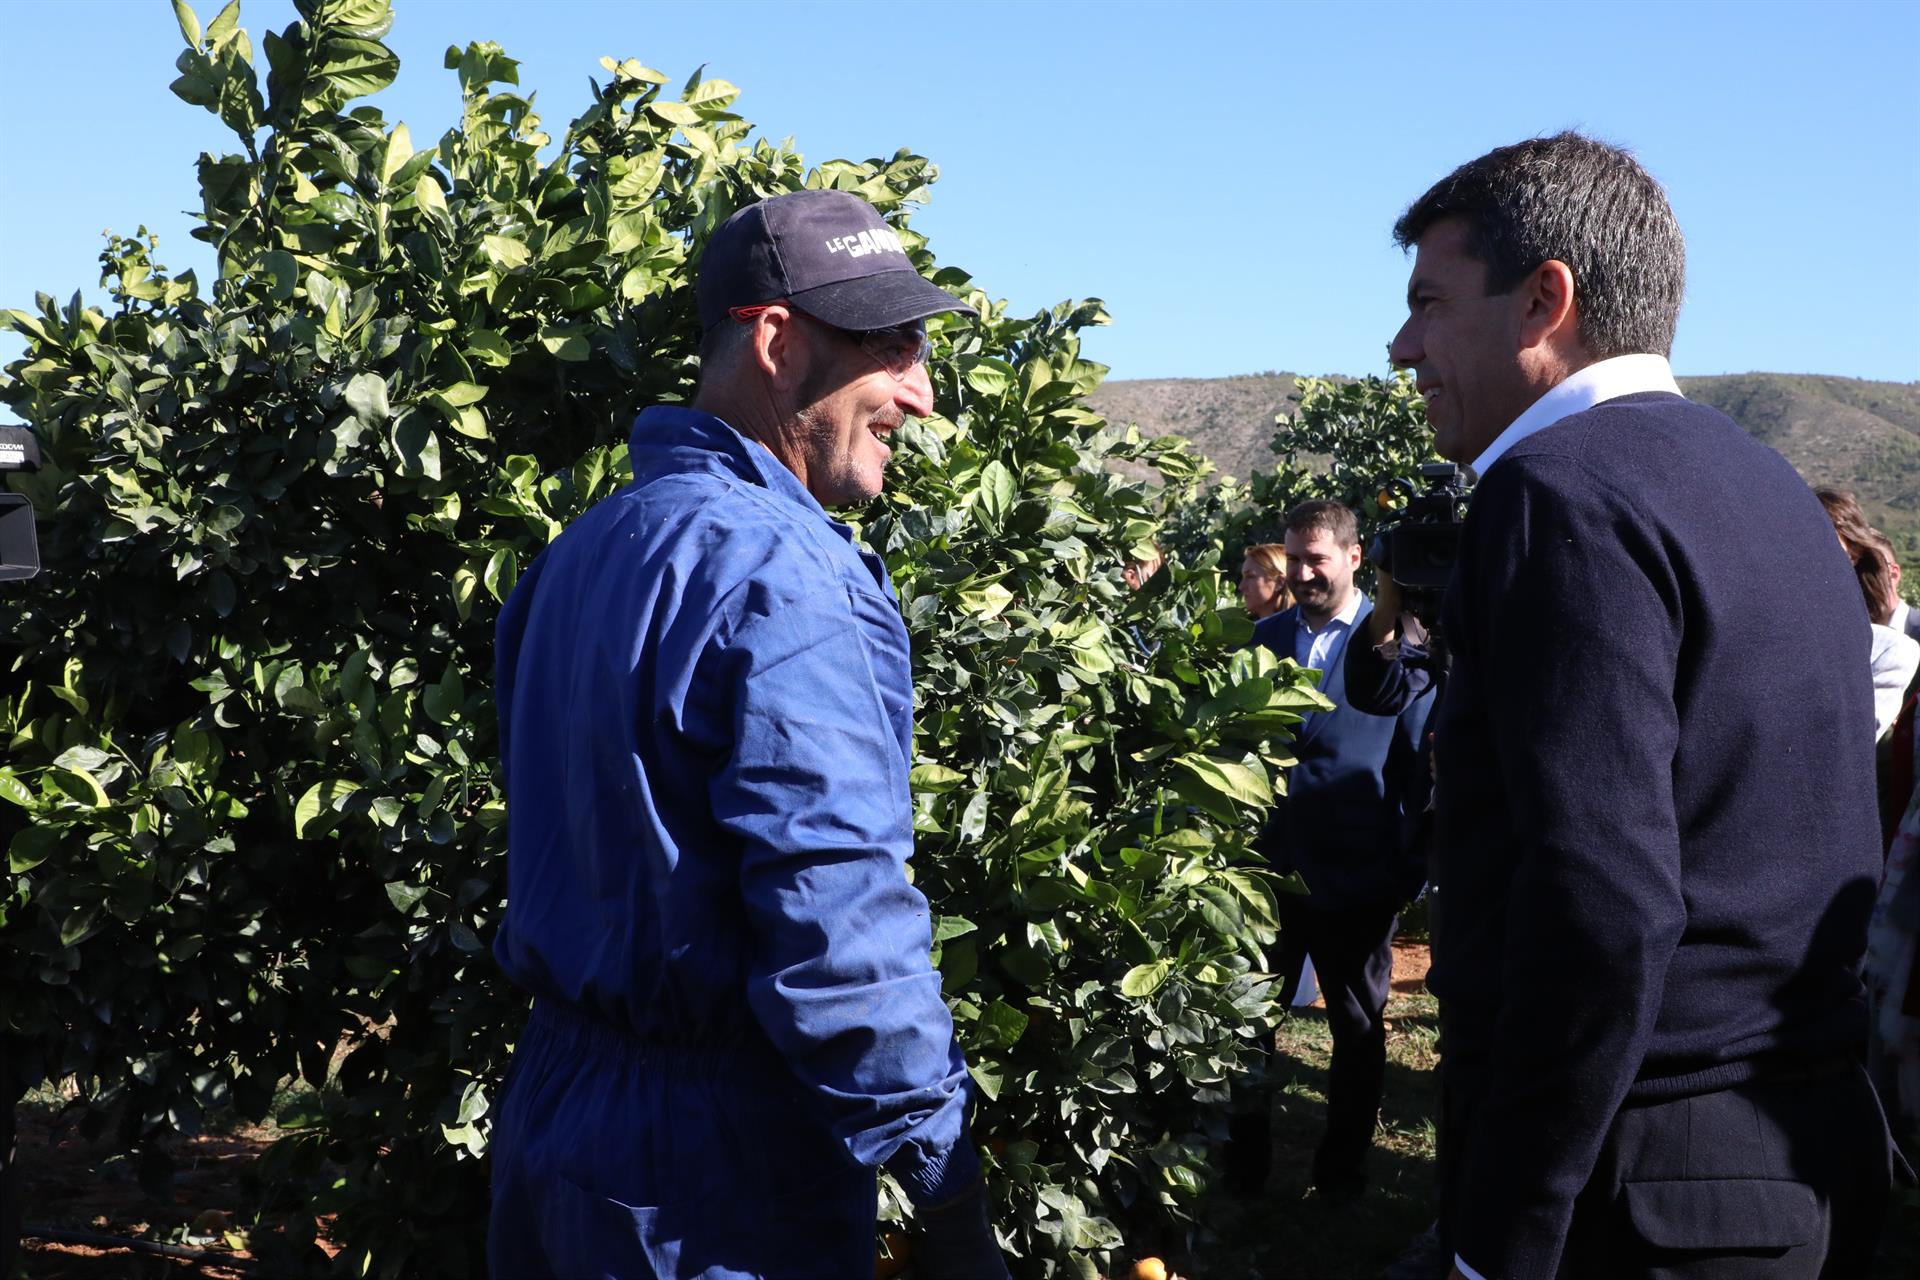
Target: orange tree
[252,804]
[1348,439]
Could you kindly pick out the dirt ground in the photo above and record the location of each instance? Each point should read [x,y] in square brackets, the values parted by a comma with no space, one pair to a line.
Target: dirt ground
[73,1186]
[78,1185]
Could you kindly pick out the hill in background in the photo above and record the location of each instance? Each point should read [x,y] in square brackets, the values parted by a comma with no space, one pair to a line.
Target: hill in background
[1843,432]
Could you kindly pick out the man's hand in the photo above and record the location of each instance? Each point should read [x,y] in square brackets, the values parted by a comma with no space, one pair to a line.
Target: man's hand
[956,1240]
[1386,609]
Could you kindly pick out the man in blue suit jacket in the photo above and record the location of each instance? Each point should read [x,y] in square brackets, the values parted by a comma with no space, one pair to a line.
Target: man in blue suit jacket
[1339,826]
[1654,804]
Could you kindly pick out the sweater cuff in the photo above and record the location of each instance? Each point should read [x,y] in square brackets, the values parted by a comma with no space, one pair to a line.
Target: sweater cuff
[941,1178]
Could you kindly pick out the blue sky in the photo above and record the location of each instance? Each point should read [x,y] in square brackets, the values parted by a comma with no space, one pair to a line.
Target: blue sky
[1224,175]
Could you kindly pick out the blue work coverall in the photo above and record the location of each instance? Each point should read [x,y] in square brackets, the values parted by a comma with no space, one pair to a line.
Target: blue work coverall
[706,718]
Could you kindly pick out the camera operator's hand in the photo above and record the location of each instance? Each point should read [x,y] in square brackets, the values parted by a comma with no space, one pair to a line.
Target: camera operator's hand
[1385,618]
[956,1239]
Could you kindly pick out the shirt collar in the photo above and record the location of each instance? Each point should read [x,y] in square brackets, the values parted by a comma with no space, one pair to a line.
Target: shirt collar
[671,431]
[1344,618]
[1899,619]
[1601,380]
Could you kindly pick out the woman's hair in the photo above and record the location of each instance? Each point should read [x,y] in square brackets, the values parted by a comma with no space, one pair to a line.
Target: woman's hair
[1271,556]
[1868,549]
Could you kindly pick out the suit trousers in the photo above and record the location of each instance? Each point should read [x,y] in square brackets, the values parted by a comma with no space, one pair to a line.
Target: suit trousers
[1352,952]
[1781,1179]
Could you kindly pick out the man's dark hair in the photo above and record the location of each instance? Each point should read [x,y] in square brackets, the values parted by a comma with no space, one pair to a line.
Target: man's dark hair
[1320,515]
[1571,199]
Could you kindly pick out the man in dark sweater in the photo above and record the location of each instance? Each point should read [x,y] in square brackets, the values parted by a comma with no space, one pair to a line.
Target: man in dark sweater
[1655,817]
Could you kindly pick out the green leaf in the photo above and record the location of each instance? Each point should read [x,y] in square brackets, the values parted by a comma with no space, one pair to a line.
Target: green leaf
[79,786]
[224,24]
[78,923]
[352,67]
[673,113]
[973,819]
[502,571]
[566,342]
[990,377]
[505,251]
[710,93]
[488,347]
[445,698]
[951,927]
[996,493]
[313,815]
[417,446]
[399,150]
[935,778]
[11,788]
[631,69]
[426,190]
[32,846]
[1144,979]
[405,897]
[1212,781]
[1002,1025]
[990,1078]
[189,24]
[366,396]
[984,602]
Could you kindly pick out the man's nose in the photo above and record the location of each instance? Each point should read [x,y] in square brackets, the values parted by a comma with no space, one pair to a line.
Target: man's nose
[1404,351]
[915,392]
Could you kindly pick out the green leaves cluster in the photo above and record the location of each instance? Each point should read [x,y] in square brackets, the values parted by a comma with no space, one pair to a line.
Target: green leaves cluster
[251,802]
[1091,764]
[1343,439]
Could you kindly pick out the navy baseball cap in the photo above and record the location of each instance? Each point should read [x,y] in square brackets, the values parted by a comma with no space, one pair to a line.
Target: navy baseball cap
[827,252]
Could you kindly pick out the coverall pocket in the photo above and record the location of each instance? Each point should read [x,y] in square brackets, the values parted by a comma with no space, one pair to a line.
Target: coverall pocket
[716,1237]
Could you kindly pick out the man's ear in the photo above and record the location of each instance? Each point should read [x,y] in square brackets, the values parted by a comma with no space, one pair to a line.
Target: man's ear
[1547,312]
[780,346]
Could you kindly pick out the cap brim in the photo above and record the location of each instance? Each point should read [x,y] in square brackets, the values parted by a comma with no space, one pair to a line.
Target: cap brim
[878,301]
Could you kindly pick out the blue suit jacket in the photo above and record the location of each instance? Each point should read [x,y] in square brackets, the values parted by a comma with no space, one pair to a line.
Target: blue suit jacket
[1339,825]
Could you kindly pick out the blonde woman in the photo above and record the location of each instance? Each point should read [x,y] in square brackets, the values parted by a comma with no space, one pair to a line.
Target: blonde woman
[1263,580]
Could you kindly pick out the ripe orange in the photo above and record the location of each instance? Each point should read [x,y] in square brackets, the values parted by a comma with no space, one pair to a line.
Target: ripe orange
[891,1259]
[1149,1269]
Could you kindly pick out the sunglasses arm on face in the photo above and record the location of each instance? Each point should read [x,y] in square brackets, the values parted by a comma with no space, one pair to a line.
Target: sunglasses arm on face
[897,350]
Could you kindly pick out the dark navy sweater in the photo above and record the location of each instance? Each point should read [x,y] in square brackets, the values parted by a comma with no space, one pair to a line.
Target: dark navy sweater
[1655,805]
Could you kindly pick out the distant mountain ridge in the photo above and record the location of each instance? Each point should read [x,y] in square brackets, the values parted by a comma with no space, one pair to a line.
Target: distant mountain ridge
[1844,432]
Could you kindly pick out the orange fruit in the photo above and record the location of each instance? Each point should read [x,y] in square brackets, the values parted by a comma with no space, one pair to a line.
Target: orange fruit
[891,1258]
[1149,1269]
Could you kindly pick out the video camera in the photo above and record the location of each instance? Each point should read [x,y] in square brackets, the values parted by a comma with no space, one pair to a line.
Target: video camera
[1419,551]
[19,550]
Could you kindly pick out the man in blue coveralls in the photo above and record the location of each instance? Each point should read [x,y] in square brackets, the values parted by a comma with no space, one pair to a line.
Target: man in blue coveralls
[706,716]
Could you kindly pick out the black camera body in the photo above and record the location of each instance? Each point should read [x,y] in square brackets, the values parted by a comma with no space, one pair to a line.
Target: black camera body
[1419,552]
[19,549]
[1423,547]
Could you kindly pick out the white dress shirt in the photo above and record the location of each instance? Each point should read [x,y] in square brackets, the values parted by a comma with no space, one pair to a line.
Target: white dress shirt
[1316,648]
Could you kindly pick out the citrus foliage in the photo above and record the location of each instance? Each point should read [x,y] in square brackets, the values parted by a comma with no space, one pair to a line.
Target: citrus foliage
[1345,439]
[253,806]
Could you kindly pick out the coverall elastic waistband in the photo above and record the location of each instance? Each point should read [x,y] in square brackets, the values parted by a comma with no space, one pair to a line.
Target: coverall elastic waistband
[580,1034]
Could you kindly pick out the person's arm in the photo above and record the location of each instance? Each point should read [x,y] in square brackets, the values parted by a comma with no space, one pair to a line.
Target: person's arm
[1573,618]
[840,977]
[1377,684]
